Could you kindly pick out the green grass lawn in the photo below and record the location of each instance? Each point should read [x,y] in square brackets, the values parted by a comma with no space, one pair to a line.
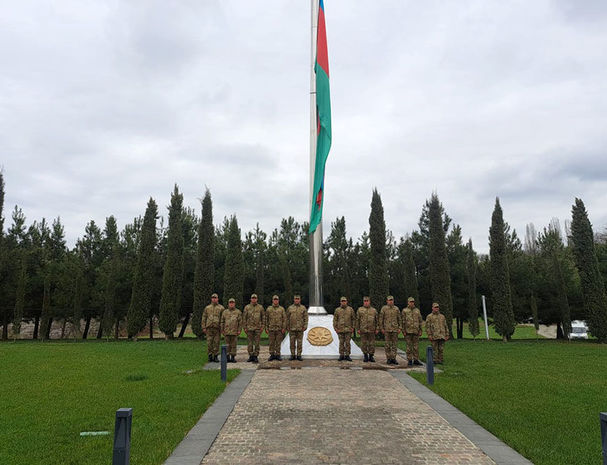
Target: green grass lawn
[50,392]
[542,398]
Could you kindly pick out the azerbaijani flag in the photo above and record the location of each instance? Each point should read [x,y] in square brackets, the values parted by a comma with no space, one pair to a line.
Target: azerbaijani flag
[323,119]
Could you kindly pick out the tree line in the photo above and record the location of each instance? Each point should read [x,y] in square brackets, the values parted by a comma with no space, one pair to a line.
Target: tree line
[151,273]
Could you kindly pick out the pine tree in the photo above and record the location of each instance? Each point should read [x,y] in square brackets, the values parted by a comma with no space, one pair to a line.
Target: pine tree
[141,297]
[172,278]
[233,280]
[204,276]
[593,287]
[440,277]
[471,281]
[503,315]
[378,266]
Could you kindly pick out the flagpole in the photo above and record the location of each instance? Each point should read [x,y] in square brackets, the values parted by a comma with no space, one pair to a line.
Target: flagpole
[316,297]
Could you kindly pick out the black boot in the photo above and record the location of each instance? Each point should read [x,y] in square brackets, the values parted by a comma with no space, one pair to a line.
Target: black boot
[347,358]
[210,358]
[410,363]
[250,359]
[341,357]
[299,358]
[277,357]
[255,359]
[366,359]
[216,358]
[417,362]
[293,357]
[371,359]
[272,357]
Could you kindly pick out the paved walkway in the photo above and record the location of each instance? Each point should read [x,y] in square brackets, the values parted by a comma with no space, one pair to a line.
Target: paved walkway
[333,416]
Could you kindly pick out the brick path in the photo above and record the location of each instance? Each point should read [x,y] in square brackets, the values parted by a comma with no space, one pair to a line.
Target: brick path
[334,416]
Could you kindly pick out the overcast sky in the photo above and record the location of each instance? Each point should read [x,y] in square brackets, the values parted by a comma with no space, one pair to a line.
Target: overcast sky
[106,103]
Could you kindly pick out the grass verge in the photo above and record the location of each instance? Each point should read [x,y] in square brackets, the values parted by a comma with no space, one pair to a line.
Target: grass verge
[542,398]
[52,391]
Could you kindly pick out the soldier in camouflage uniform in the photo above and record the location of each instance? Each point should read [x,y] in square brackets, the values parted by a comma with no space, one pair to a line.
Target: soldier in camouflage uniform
[297,323]
[412,329]
[438,332]
[231,325]
[343,324]
[211,321]
[252,321]
[389,324]
[276,324]
[367,326]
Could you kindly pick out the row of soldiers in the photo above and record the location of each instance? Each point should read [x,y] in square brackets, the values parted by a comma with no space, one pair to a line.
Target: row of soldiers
[276,321]
[390,321]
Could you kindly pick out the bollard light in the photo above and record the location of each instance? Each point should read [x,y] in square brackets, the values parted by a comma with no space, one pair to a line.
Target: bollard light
[430,365]
[122,436]
[224,363]
[603,418]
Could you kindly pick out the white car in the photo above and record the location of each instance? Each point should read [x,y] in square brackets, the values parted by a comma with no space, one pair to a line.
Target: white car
[579,330]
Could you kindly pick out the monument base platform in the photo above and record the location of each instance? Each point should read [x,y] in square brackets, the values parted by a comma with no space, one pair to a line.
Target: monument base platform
[311,351]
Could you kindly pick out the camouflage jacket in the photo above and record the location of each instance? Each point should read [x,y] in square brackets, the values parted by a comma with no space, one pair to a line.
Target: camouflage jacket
[211,316]
[343,320]
[297,318]
[366,320]
[412,321]
[276,318]
[231,322]
[389,319]
[253,317]
[436,326]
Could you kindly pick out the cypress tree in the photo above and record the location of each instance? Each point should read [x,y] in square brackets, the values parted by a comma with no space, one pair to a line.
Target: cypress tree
[503,315]
[440,275]
[593,287]
[260,251]
[111,268]
[45,316]
[472,301]
[533,305]
[233,278]
[410,272]
[20,294]
[204,275]
[378,266]
[141,296]
[172,277]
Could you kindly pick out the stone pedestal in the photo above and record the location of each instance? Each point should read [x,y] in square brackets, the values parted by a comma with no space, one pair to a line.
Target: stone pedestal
[310,351]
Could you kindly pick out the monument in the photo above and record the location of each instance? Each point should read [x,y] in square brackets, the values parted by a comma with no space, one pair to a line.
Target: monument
[320,341]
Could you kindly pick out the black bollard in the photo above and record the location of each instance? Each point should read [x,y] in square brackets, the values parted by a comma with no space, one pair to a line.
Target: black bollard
[429,365]
[224,363]
[603,417]
[122,436]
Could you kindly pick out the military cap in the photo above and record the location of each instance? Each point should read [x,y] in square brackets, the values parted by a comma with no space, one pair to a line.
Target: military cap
[214,295]
[231,299]
[297,296]
[342,299]
[274,297]
[390,297]
[410,299]
[435,305]
[253,296]
[366,297]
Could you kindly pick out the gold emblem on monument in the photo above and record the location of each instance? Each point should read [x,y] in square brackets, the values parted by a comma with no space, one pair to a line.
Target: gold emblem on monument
[319,336]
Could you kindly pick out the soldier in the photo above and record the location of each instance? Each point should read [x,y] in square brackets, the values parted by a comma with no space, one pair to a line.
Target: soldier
[367,326]
[276,324]
[231,325]
[211,321]
[412,329]
[297,323]
[253,320]
[389,324]
[438,332]
[343,324]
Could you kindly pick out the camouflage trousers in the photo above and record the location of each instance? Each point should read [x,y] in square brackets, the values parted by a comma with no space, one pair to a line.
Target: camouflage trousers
[412,346]
[231,342]
[368,343]
[296,337]
[213,337]
[253,336]
[437,348]
[344,343]
[390,346]
[275,337]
